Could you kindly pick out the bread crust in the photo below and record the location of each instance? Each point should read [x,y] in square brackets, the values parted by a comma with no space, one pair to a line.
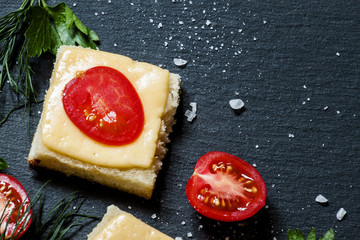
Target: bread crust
[136,181]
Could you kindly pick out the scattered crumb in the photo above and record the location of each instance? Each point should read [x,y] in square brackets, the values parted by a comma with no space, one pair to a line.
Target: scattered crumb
[321,199]
[179,62]
[236,104]
[340,214]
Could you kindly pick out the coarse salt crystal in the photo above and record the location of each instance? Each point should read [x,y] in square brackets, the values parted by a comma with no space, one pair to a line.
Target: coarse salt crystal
[236,104]
[178,238]
[189,235]
[208,22]
[340,214]
[191,114]
[160,25]
[291,135]
[153,216]
[179,62]
[321,199]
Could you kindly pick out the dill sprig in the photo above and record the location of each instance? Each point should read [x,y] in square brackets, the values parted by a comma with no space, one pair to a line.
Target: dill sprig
[10,41]
[60,219]
[27,33]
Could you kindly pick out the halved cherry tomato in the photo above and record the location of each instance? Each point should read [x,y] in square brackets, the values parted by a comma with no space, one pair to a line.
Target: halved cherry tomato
[104,105]
[15,208]
[225,188]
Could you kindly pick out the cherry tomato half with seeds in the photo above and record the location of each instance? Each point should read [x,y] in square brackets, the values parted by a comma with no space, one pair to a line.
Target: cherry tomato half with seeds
[226,188]
[15,208]
[104,105]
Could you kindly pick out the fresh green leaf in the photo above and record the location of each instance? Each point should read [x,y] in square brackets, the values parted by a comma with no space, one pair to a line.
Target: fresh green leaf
[329,235]
[36,28]
[295,235]
[312,235]
[41,34]
[51,27]
[3,164]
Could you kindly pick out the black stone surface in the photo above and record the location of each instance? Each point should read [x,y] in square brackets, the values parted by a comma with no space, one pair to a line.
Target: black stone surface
[296,66]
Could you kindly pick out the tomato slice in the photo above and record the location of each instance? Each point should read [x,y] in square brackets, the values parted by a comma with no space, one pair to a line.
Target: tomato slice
[104,105]
[225,188]
[15,208]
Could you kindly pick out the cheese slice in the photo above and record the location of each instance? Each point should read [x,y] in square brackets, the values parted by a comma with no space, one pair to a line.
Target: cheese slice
[61,135]
[117,224]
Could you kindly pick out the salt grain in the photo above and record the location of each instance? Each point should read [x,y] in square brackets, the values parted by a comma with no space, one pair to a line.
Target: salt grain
[179,62]
[208,22]
[291,135]
[153,216]
[236,104]
[321,199]
[189,235]
[191,114]
[340,214]
[178,238]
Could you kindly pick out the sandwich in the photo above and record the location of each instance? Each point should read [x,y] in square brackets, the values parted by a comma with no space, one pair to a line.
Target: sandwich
[107,119]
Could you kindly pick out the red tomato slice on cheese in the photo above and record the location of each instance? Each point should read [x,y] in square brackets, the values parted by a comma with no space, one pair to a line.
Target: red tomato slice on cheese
[104,105]
[15,208]
[225,188]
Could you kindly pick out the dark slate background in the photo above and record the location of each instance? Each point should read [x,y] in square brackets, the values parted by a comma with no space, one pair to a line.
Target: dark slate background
[295,64]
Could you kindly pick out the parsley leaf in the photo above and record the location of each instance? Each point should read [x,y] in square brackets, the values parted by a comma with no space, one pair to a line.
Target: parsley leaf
[329,235]
[51,27]
[41,34]
[297,235]
[3,164]
[69,27]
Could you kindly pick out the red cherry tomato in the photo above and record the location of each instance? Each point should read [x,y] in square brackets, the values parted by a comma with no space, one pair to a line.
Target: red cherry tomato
[104,105]
[225,188]
[15,208]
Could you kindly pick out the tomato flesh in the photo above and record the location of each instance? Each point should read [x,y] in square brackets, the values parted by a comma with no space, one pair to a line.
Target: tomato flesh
[226,188]
[15,208]
[104,105]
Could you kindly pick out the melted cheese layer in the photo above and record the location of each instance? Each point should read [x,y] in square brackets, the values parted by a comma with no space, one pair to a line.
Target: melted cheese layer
[61,135]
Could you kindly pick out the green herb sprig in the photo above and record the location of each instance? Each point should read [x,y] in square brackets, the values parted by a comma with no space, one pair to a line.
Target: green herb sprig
[29,32]
[298,235]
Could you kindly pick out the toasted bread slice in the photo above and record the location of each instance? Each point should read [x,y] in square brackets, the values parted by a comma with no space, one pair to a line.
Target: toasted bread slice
[135,180]
[117,224]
